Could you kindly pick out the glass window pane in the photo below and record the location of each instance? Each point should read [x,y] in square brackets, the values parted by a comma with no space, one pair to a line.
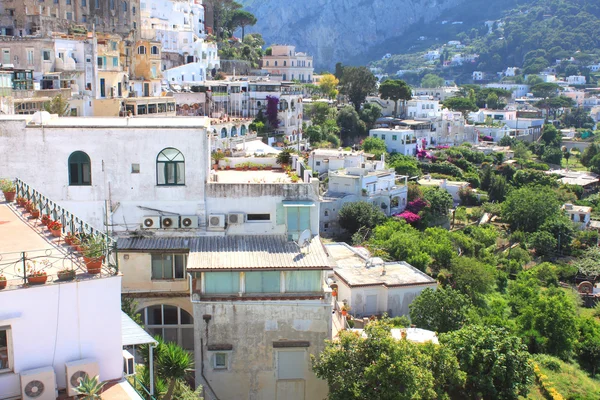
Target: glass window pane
[170,172]
[156,331]
[157,266]
[170,335]
[180,173]
[87,178]
[263,282]
[186,318]
[170,315]
[155,315]
[222,282]
[302,281]
[4,350]
[160,170]
[220,359]
[292,218]
[303,218]
[187,338]
[168,266]
[73,174]
[179,266]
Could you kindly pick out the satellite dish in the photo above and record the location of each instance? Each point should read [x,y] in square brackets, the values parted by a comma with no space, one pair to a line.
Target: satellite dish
[304,239]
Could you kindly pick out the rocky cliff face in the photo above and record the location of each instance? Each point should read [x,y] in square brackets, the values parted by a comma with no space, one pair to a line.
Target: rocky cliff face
[339,30]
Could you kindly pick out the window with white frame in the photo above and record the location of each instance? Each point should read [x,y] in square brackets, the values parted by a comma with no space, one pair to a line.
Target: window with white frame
[29,56]
[291,364]
[5,350]
[220,361]
[171,323]
[168,266]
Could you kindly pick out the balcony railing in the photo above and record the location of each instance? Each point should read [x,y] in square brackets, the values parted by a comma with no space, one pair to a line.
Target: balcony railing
[71,224]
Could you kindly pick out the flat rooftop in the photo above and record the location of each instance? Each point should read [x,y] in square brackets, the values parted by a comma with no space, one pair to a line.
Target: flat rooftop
[116,122]
[22,237]
[350,267]
[260,176]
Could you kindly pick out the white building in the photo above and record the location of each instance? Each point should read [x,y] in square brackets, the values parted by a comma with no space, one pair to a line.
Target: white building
[371,182]
[286,64]
[576,80]
[518,90]
[580,215]
[477,75]
[403,141]
[511,71]
[373,287]
[423,108]
[53,333]
[325,160]
[452,187]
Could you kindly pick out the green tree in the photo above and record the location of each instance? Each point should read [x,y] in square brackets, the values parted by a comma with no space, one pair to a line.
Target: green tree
[441,310]
[587,346]
[369,114]
[314,134]
[374,145]
[350,123]
[533,80]
[357,83]
[318,112]
[472,277]
[395,90]
[529,207]
[173,364]
[58,105]
[381,367]
[432,81]
[594,164]
[360,215]
[462,104]
[545,89]
[439,201]
[339,70]
[543,243]
[492,101]
[552,155]
[242,19]
[328,85]
[588,154]
[497,189]
[404,165]
[497,364]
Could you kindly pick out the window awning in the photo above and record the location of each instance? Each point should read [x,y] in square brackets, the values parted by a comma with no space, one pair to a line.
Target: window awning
[300,203]
[132,334]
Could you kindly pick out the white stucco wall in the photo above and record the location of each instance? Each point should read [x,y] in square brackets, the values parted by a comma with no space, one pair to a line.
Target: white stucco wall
[59,323]
[112,151]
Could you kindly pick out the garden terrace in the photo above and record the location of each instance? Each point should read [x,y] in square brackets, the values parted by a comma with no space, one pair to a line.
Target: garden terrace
[27,245]
[250,176]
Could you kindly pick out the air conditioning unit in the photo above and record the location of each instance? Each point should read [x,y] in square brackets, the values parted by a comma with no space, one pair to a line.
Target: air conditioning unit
[128,364]
[76,370]
[235,218]
[169,222]
[189,221]
[38,384]
[216,222]
[151,222]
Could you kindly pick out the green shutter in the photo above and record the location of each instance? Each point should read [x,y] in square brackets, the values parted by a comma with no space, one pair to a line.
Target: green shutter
[280,214]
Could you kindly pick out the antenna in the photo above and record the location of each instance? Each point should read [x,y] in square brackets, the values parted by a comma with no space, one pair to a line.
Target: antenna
[304,239]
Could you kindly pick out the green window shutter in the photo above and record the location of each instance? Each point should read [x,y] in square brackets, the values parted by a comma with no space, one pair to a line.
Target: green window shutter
[222,282]
[302,281]
[262,282]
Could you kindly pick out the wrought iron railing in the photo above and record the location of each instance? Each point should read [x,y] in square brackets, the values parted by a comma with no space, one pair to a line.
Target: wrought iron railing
[71,223]
[140,389]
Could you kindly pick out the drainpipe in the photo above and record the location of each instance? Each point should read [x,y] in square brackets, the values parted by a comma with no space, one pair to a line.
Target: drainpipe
[151,347]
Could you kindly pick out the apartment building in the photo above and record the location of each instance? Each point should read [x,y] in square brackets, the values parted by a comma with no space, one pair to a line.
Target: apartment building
[286,64]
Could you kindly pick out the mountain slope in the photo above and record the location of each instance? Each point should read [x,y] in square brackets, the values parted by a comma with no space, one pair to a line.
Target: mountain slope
[341,30]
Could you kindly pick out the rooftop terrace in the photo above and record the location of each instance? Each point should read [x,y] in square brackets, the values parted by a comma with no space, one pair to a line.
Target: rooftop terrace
[260,176]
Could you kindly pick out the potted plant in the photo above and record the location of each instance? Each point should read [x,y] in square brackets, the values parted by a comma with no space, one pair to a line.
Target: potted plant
[254,166]
[8,188]
[345,309]
[33,210]
[55,228]
[364,192]
[227,166]
[3,281]
[36,277]
[66,275]
[217,156]
[93,254]
[284,157]
[20,201]
[90,388]
[70,238]
[294,178]
[334,292]
[46,219]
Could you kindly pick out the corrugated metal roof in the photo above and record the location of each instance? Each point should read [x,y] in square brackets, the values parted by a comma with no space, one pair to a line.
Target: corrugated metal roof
[132,334]
[237,252]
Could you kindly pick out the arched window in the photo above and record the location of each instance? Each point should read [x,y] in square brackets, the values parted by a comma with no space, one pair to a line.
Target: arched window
[172,323]
[285,63]
[243,130]
[154,50]
[275,63]
[233,131]
[170,167]
[80,170]
[223,133]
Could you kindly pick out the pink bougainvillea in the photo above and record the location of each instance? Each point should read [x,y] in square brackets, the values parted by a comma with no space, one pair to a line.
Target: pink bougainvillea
[409,217]
[416,205]
[272,105]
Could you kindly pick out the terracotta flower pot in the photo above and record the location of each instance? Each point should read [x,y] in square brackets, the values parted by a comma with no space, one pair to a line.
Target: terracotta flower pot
[93,265]
[66,275]
[3,284]
[37,280]
[35,214]
[55,232]
[68,240]
[344,313]
[9,196]
[334,294]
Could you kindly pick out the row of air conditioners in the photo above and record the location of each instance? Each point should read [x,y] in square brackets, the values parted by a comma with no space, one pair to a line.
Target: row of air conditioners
[40,383]
[217,222]
[170,222]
